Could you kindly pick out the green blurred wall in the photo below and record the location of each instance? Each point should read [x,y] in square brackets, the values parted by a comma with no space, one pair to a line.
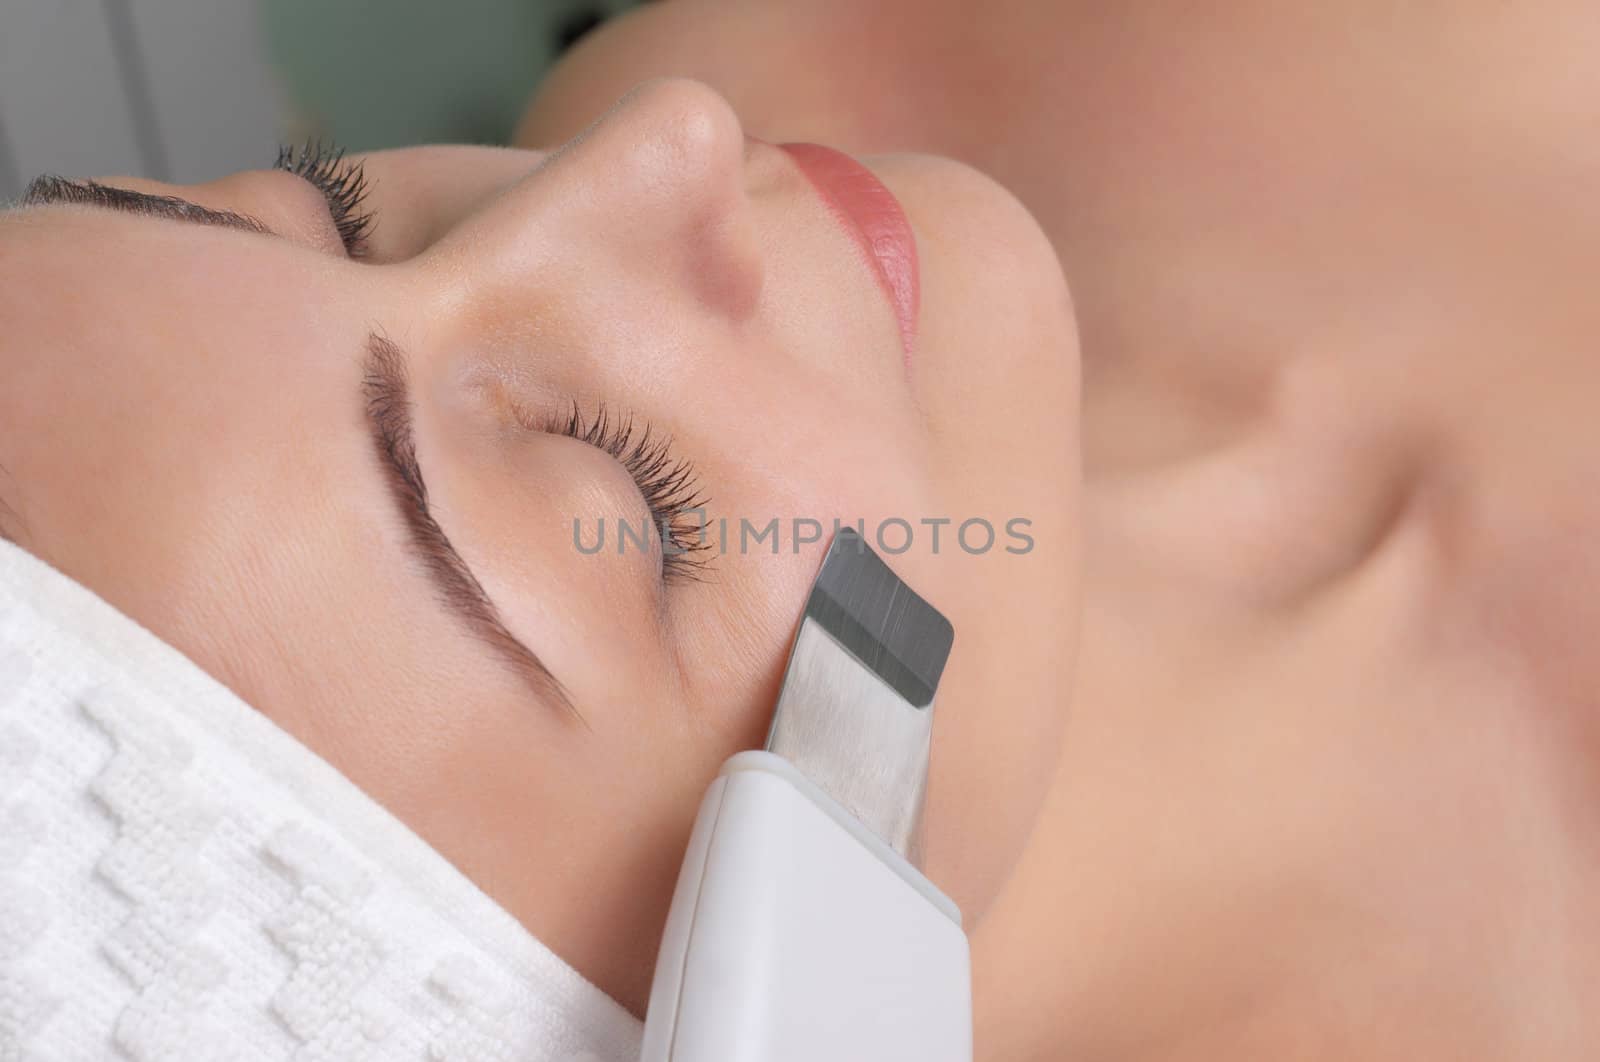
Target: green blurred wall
[383,73]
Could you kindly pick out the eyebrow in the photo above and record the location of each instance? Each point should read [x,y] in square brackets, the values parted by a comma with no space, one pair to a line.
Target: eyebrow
[7,513]
[386,389]
[52,190]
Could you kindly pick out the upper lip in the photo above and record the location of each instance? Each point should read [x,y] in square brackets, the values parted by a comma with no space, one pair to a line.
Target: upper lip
[877,222]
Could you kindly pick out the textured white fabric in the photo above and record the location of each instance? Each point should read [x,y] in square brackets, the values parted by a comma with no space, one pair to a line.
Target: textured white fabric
[180,879]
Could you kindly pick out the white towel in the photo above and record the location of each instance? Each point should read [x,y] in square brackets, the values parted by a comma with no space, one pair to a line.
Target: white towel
[181,879]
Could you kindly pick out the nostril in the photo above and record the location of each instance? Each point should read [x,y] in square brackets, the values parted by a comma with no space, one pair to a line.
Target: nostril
[575,26]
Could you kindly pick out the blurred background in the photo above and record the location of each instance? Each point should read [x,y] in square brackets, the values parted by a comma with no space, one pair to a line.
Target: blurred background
[189,90]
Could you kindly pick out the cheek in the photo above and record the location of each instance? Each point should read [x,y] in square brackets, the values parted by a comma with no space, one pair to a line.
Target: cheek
[996,735]
[998,377]
[999,715]
[1015,608]
[1010,464]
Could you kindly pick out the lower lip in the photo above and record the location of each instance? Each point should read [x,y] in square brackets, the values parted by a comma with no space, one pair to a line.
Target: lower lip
[874,218]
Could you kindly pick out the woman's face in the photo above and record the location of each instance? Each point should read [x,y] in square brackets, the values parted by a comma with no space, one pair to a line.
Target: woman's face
[258,447]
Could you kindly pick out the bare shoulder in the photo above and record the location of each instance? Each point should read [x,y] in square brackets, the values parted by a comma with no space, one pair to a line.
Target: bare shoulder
[728,46]
[834,71]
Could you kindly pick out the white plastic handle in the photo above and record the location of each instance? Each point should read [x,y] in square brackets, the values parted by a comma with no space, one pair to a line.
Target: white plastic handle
[797,936]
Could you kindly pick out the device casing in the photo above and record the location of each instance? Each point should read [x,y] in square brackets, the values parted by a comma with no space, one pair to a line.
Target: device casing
[796,935]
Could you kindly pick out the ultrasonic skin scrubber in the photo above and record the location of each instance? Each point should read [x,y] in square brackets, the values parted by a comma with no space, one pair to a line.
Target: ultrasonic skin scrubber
[801,929]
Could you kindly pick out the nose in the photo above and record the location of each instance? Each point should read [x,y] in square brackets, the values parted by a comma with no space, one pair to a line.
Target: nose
[654,192]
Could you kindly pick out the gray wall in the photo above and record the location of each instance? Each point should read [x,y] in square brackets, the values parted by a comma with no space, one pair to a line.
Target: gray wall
[383,73]
[171,89]
[188,90]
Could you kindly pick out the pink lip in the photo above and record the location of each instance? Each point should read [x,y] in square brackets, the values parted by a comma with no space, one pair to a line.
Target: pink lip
[875,220]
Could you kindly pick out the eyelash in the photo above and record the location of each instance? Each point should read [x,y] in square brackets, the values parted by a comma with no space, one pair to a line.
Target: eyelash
[668,484]
[341,182]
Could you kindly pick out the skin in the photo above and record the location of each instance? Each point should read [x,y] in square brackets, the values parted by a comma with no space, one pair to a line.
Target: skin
[183,426]
[1329,775]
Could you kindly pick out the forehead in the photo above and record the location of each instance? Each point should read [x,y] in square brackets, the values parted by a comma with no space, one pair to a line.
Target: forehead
[72,248]
[72,268]
[125,320]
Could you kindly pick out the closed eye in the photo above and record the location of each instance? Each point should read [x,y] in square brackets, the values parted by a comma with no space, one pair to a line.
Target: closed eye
[343,184]
[668,484]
